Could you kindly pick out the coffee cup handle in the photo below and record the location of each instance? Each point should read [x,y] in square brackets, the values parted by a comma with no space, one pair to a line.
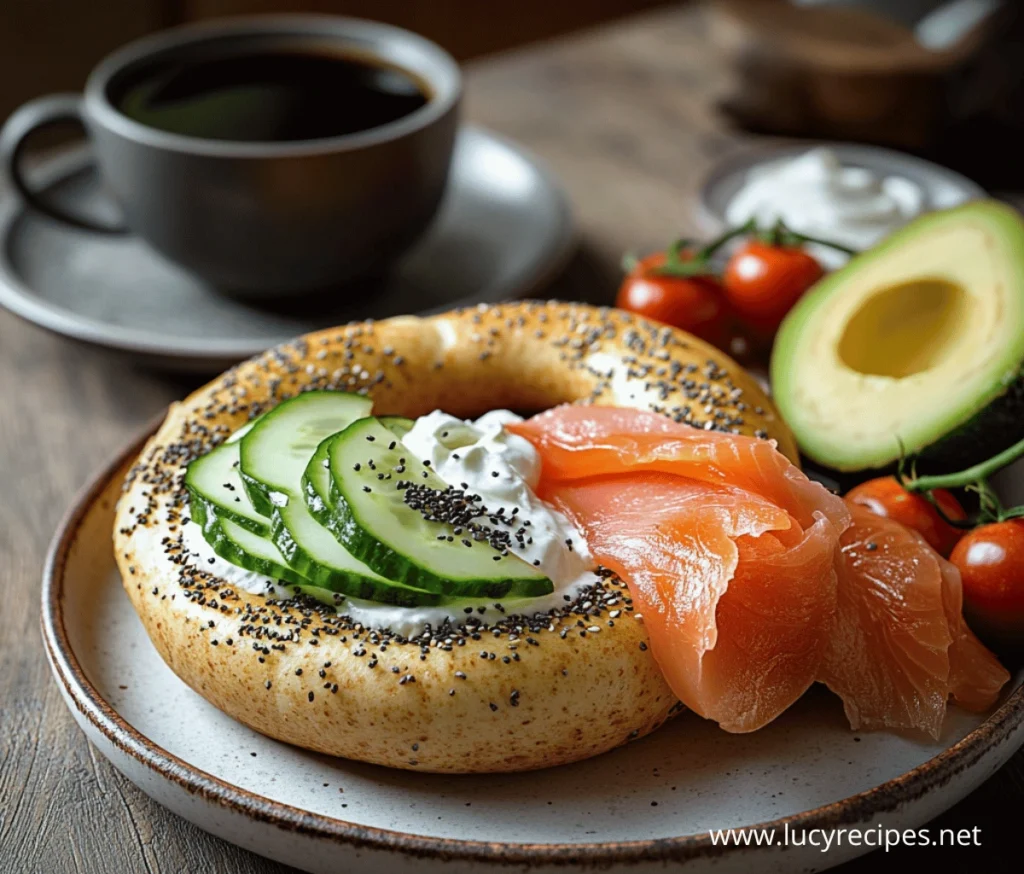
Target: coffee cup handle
[14,137]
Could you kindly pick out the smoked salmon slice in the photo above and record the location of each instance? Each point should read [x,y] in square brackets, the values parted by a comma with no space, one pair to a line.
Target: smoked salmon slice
[900,647]
[736,596]
[726,546]
[754,581]
[578,441]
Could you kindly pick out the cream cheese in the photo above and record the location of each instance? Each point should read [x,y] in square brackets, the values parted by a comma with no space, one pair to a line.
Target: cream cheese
[504,469]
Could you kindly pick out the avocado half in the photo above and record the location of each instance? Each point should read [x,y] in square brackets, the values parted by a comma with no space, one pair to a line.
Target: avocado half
[918,341]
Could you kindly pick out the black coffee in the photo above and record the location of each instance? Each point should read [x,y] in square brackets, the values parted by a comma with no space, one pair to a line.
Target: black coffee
[269,97]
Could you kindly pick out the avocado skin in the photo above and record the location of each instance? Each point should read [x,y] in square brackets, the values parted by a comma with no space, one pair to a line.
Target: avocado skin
[996,427]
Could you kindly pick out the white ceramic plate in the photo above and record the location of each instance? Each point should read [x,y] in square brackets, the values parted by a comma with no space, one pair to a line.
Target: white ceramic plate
[503,230]
[632,810]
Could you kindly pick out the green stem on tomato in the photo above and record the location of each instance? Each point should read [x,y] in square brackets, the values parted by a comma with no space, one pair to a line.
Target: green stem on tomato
[973,479]
[699,264]
[965,524]
[674,253]
[972,475]
[748,227]
[678,266]
[787,236]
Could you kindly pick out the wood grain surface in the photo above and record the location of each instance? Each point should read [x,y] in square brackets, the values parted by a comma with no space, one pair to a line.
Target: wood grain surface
[623,115]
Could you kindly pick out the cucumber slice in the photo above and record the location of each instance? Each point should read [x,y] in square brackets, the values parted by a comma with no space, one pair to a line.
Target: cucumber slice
[241,432]
[315,552]
[316,486]
[367,465]
[251,551]
[274,455]
[247,550]
[275,452]
[216,489]
[316,481]
[221,507]
[397,425]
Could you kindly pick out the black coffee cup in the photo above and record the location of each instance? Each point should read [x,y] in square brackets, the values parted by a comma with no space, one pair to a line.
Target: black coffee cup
[321,202]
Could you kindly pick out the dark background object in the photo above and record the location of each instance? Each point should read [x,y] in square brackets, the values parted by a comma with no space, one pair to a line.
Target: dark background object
[266,217]
[986,100]
[270,96]
[857,70]
[848,69]
[50,45]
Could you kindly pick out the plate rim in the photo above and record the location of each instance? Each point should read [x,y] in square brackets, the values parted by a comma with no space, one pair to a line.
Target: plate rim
[850,811]
[18,298]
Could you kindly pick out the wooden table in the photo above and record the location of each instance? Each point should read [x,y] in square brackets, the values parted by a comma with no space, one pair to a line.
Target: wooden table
[623,115]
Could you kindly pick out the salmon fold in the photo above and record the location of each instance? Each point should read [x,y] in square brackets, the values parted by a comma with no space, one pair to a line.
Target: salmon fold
[754,581]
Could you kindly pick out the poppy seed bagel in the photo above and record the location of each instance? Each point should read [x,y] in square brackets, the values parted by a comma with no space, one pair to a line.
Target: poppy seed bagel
[529,692]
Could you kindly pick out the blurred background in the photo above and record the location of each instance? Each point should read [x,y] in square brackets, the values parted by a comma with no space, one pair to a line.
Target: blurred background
[935,76]
[48,45]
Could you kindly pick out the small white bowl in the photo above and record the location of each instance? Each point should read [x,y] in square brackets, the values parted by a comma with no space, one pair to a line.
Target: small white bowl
[942,188]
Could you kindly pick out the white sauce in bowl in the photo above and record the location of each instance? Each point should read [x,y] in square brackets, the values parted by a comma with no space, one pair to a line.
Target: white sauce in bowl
[815,194]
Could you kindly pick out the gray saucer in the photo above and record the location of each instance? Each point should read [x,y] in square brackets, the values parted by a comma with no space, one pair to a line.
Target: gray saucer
[504,230]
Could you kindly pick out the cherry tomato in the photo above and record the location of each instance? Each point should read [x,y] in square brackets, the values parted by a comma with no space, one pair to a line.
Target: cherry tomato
[886,497]
[991,563]
[693,303]
[763,281]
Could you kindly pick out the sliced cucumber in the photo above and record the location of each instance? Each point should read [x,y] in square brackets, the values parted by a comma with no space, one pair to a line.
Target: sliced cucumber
[397,425]
[216,489]
[274,455]
[241,432]
[315,552]
[367,465]
[316,481]
[259,554]
[316,486]
[221,507]
[251,551]
[275,452]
